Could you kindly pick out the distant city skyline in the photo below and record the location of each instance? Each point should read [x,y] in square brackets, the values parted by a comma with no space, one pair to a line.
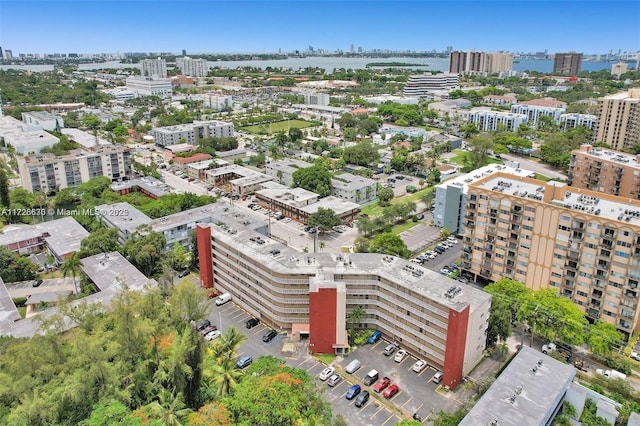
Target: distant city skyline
[52,26]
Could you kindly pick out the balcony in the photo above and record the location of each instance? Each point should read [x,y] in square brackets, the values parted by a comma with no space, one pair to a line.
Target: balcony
[593,313]
[609,233]
[573,255]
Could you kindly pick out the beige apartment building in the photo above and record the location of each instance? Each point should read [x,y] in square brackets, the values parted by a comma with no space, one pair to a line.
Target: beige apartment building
[619,119]
[585,244]
[605,170]
[49,173]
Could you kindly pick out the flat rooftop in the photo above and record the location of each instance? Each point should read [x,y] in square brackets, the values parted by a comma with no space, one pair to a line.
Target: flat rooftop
[590,202]
[123,216]
[110,270]
[520,396]
[65,235]
[294,197]
[149,184]
[348,181]
[338,205]
[83,138]
[484,171]
[8,311]
[622,158]
[433,285]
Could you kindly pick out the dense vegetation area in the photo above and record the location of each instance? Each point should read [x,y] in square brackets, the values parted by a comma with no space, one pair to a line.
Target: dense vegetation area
[143,364]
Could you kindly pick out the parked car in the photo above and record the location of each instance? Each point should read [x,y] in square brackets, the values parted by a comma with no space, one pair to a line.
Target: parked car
[334,380]
[437,378]
[37,283]
[362,399]
[375,336]
[391,391]
[244,361]
[252,322]
[353,392]
[184,273]
[635,356]
[445,271]
[207,330]
[269,336]
[390,349]
[326,373]
[419,365]
[439,249]
[212,335]
[353,366]
[382,384]
[370,378]
[400,355]
[420,216]
[201,325]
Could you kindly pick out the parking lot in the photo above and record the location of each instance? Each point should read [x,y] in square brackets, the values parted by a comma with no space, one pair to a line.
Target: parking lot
[417,393]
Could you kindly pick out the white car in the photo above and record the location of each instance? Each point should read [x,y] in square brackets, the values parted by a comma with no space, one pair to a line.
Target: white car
[400,355]
[452,240]
[212,336]
[635,355]
[326,373]
[419,365]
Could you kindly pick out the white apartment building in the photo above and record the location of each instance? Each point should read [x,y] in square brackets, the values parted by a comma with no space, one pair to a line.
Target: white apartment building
[316,99]
[193,67]
[422,85]
[570,121]
[191,133]
[44,119]
[283,170]
[150,86]
[214,101]
[48,173]
[534,112]
[488,120]
[25,138]
[357,189]
[153,67]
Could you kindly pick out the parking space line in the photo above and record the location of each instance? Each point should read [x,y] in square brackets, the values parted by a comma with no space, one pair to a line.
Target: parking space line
[382,407]
[422,372]
[410,399]
[390,417]
[304,360]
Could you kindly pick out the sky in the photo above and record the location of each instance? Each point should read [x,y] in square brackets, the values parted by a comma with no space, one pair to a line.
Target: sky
[219,26]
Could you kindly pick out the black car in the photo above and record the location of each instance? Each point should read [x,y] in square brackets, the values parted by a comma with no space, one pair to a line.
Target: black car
[439,249]
[269,336]
[252,322]
[362,399]
[37,283]
[202,325]
[183,273]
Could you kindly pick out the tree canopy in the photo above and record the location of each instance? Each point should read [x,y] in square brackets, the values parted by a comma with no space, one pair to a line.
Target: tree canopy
[361,154]
[389,243]
[324,219]
[315,179]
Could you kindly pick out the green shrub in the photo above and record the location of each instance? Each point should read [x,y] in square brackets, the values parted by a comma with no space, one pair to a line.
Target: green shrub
[20,301]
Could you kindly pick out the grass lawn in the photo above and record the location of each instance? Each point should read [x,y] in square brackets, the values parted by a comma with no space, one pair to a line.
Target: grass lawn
[542,177]
[54,274]
[325,358]
[460,156]
[396,230]
[272,128]
[22,311]
[374,209]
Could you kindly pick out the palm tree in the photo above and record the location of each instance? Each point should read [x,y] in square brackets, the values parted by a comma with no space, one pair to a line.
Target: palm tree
[168,409]
[71,266]
[221,377]
[227,344]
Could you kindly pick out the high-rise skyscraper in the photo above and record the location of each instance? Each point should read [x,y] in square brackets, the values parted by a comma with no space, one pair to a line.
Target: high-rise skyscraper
[153,67]
[567,63]
[479,62]
[184,52]
[619,119]
[193,67]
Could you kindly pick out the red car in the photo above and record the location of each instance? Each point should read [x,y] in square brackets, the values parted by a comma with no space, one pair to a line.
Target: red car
[391,390]
[381,384]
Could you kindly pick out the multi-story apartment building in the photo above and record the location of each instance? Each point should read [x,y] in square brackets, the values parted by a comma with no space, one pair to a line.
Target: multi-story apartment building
[488,120]
[214,101]
[193,67]
[44,119]
[153,67]
[354,188]
[571,121]
[619,69]
[567,63]
[499,62]
[430,315]
[25,138]
[424,84]
[451,196]
[49,173]
[500,100]
[619,119]
[467,62]
[191,133]
[583,243]
[535,110]
[482,63]
[283,170]
[316,99]
[149,86]
[605,170]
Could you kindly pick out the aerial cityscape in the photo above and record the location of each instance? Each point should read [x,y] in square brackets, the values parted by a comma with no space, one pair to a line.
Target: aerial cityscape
[331,213]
